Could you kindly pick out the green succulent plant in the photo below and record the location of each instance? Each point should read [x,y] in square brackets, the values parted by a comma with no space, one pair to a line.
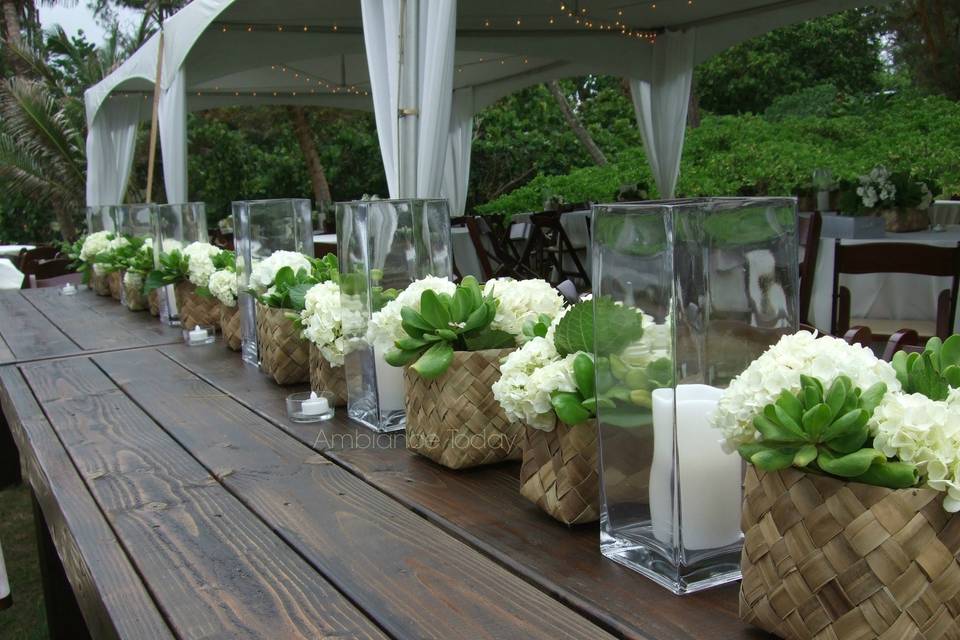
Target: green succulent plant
[290,287]
[173,269]
[826,431]
[932,372]
[116,259]
[444,324]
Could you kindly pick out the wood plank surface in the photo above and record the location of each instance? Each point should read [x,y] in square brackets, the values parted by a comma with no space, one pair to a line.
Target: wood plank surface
[98,322]
[215,570]
[27,333]
[113,599]
[483,507]
[5,354]
[414,579]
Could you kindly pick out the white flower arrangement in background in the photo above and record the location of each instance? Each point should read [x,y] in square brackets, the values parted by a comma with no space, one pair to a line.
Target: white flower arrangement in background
[527,378]
[385,326]
[132,279]
[265,272]
[327,323]
[95,243]
[876,188]
[199,257]
[223,287]
[520,301]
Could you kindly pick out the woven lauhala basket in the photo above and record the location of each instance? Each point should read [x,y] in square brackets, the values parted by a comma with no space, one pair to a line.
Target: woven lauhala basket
[559,472]
[115,284]
[134,298]
[455,420]
[99,283]
[230,325]
[834,560]
[194,309]
[324,377]
[153,300]
[284,355]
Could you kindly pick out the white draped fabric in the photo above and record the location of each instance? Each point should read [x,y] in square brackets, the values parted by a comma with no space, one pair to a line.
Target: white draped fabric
[437,39]
[110,145]
[172,113]
[661,103]
[456,168]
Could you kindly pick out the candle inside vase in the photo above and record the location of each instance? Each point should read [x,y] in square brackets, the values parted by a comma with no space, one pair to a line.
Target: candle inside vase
[389,384]
[197,334]
[314,405]
[709,480]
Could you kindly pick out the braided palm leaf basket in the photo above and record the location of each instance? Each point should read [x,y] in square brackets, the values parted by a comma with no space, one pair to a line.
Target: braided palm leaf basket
[284,355]
[153,300]
[196,309]
[99,283]
[559,472]
[230,325]
[455,420]
[832,560]
[115,284]
[134,297]
[325,377]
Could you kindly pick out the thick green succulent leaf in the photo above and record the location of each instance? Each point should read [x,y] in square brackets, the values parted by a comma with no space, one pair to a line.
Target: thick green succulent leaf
[933,347]
[901,367]
[892,475]
[568,408]
[489,339]
[871,398]
[447,334]
[952,375]
[433,310]
[462,305]
[806,455]
[772,431]
[808,381]
[774,459]
[414,319]
[747,450]
[402,357]
[836,396]
[584,375]
[849,465]
[950,352]
[411,344]
[471,286]
[815,420]
[791,404]
[298,296]
[788,422]
[925,379]
[435,361]
[412,331]
[478,318]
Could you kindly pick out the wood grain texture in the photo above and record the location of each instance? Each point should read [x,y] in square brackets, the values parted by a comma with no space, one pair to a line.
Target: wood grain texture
[113,599]
[414,579]
[6,355]
[98,323]
[215,570]
[27,333]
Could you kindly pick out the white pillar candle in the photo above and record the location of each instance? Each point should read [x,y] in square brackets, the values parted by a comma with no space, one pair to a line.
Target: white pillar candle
[709,479]
[314,405]
[198,334]
[389,384]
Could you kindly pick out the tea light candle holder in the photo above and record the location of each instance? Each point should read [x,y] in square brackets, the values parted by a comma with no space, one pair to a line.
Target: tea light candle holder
[68,290]
[310,406]
[200,335]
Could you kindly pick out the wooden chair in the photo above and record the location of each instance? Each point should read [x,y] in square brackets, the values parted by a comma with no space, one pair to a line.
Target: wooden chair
[808,234]
[496,246]
[904,340]
[27,256]
[472,226]
[568,290]
[321,249]
[896,258]
[547,248]
[50,273]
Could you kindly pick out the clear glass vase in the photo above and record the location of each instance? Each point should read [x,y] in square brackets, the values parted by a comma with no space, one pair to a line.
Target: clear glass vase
[103,218]
[261,228]
[717,283]
[175,227]
[383,246]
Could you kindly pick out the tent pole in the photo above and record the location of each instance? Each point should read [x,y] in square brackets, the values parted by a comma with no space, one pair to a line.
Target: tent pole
[154,121]
[409,98]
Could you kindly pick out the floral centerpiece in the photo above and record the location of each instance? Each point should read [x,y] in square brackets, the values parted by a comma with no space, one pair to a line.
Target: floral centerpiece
[450,339]
[222,286]
[854,465]
[91,245]
[902,199]
[136,262]
[280,284]
[189,269]
[109,261]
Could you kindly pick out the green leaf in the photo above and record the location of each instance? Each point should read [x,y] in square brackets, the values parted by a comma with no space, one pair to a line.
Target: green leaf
[402,357]
[899,364]
[950,352]
[774,459]
[814,421]
[952,375]
[411,344]
[478,318]
[808,381]
[850,465]
[871,398]
[435,361]
[285,278]
[933,347]
[775,432]
[462,304]
[584,375]
[924,378]
[489,339]
[413,331]
[789,403]
[154,280]
[615,326]
[447,335]
[473,288]
[892,475]
[298,296]
[786,421]
[411,317]
[433,310]
[203,292]
[806,455]
[836,396]
[568,408]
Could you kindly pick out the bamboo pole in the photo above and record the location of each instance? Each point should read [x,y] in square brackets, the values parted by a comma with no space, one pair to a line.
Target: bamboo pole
[154,120]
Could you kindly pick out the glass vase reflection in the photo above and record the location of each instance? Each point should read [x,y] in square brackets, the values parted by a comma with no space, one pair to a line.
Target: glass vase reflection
[261,228]
[175,227]
[383,246]
[716,282]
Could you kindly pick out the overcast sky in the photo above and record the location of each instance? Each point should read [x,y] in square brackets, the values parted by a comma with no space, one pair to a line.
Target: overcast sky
[80,18]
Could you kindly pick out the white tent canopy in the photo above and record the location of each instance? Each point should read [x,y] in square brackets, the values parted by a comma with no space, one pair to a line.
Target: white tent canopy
[348,53]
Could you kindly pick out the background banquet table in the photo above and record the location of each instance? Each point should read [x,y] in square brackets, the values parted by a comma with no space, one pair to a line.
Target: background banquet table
[882,296]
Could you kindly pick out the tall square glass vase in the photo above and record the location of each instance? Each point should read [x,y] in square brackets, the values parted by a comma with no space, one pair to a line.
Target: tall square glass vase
[175,227]
[384,246]
[261,228]
[716,283]
[103,218]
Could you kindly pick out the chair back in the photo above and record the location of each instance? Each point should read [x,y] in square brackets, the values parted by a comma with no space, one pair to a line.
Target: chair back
[895,257]
[808,234]
[548,247]
[35,255]
[44,271]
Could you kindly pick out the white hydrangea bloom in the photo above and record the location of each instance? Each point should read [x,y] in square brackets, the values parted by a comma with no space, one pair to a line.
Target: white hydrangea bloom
[132,279]
[116,243]
[223,287]
[924,432]
[521,301]
[265,271]
[93,244]
[322,320]
[170,245]
[780,367]
[199,257]
[528,376]
[385,325]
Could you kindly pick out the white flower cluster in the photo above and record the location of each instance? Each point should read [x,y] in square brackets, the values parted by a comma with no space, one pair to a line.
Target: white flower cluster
[926,433]
[876,188]
[265,271]
[521,301]
[117,242]
[223,287]
[93,244]
[132,279]
[527,378]
[780,367]
[324,320]
[199,257]
[385,325]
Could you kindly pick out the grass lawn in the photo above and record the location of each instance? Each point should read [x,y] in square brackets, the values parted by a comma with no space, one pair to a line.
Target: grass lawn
[26,619]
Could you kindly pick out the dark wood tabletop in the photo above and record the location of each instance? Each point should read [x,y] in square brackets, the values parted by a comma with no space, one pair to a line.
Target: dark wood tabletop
[181,503]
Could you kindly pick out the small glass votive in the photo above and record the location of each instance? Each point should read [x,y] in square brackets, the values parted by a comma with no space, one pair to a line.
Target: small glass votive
[310,406]
[68,290]
[200,334]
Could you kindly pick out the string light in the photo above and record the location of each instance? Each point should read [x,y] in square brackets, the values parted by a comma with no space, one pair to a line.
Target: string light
[578,16]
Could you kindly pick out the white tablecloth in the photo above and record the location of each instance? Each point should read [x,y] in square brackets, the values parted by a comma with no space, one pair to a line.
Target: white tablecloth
[891,296]
[945,212]
[10,276]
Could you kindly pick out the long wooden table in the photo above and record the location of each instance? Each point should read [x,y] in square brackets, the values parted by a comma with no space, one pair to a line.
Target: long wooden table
[181,503]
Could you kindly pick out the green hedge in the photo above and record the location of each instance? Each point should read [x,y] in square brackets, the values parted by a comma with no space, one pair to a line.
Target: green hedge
[756,155]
